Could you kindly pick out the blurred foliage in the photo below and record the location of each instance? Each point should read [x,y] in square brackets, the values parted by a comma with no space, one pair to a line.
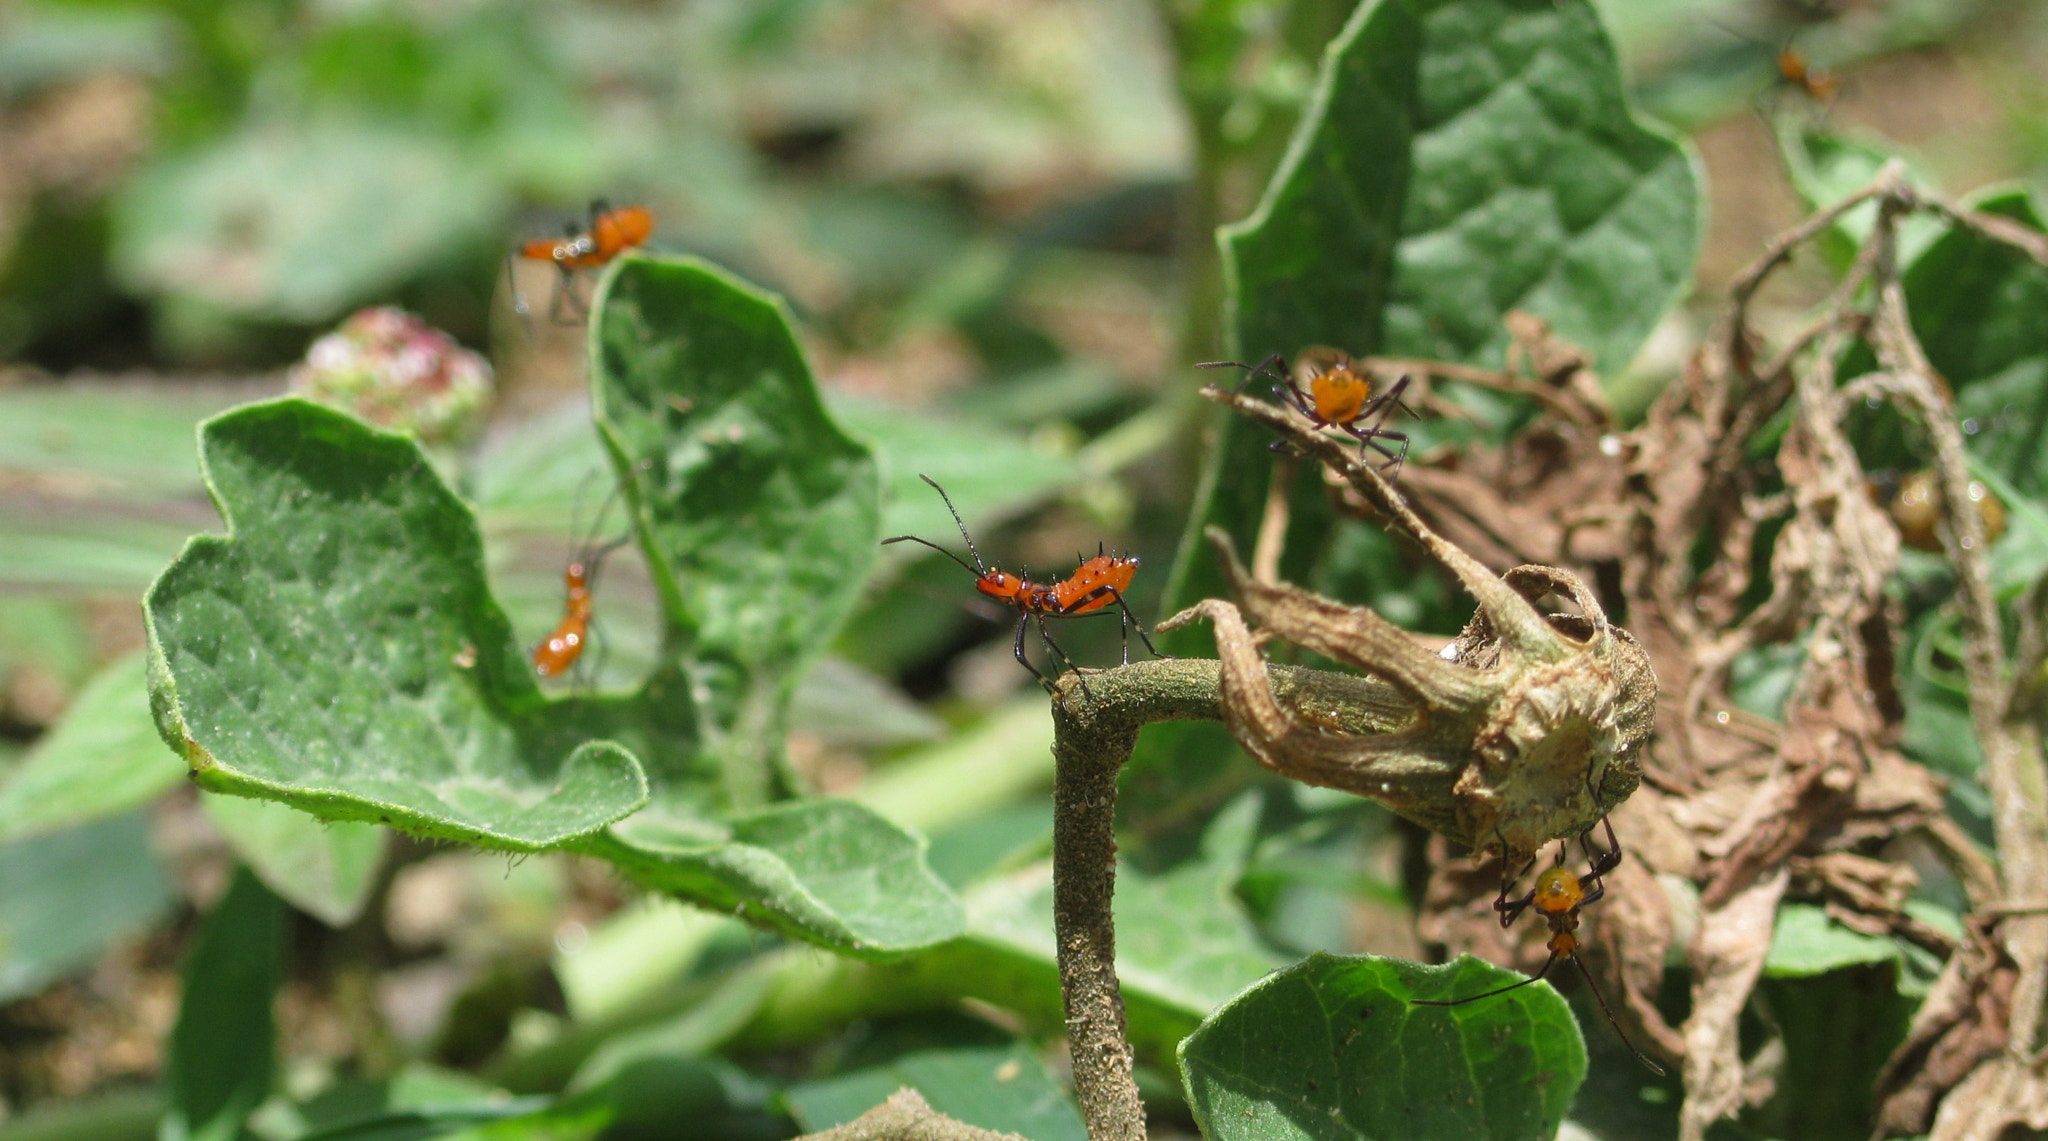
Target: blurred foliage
[995,225]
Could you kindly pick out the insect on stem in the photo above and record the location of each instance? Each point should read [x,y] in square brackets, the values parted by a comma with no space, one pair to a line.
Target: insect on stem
[1093,587]
[1340,395]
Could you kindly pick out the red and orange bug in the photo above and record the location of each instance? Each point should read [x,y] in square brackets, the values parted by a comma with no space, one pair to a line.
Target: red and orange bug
[1340,395]
[611,233]
[563,648]
[1559,896]
[1796,70]
[1095,585]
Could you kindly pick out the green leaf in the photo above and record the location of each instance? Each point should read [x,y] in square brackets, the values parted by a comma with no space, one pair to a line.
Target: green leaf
[1806,942]
[69,894]
[826,871]
[1463,158]
[844,705]
[102,758]
[115,441]
[1332,1049]
[222,1058]
[761,519]
[1006,1088]
[693,1032]
[987,471]
[341,652]
[1976,306]
[339,649]
[1184,945]
[325,870]
[74,549]
[298,224]
[1838,1032]
[759,516]
[1460,158]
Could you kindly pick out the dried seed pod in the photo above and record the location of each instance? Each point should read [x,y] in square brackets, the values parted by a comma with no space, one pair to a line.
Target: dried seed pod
[1525,729]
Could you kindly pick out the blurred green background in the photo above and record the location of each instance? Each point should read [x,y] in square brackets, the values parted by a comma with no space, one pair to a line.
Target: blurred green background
[993,221]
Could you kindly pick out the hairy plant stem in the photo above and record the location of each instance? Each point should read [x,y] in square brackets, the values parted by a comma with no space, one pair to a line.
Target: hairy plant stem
[1094,732]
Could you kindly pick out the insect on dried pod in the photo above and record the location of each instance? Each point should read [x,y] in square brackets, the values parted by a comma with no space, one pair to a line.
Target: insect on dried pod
[1527,728]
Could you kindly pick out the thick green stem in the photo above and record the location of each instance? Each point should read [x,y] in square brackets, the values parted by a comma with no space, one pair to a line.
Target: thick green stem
[1094,733]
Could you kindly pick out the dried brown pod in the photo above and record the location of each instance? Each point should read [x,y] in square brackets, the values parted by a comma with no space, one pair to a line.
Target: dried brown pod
[1527,728]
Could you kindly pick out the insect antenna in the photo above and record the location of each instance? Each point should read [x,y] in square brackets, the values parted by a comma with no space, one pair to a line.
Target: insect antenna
[1618,1032]
[934,546]
[1263,368]
[961,523]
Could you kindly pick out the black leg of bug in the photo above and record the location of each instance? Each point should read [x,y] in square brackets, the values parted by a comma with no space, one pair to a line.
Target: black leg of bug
[1130,620]
[1512,909]
[1369,427]
[568,307]
[1606,861]
[1060,661]
[1611,1020]
[1024,621]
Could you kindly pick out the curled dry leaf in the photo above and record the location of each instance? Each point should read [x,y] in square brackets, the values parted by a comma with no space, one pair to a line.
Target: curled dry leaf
[1525,729]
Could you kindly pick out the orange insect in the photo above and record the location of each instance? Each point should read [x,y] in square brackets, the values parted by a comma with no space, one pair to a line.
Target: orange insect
[1559,896]
[1093,587]
[611,233]
[1340,395]
[1795,69]
[563,648]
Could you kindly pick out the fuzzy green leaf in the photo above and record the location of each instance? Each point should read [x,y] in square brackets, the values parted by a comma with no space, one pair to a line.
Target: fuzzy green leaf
[340,651]
[1806,942]
[1331,1049]
[826,871]
[1464,158]
[761,518]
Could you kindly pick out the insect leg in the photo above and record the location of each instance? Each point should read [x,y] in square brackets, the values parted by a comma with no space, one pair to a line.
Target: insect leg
[1601,862]
[1060,657]
[1511,909]
[1022,622]
[1611,1021]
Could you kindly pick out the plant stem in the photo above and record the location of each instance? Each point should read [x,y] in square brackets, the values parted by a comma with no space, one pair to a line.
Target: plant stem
[1094,732]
